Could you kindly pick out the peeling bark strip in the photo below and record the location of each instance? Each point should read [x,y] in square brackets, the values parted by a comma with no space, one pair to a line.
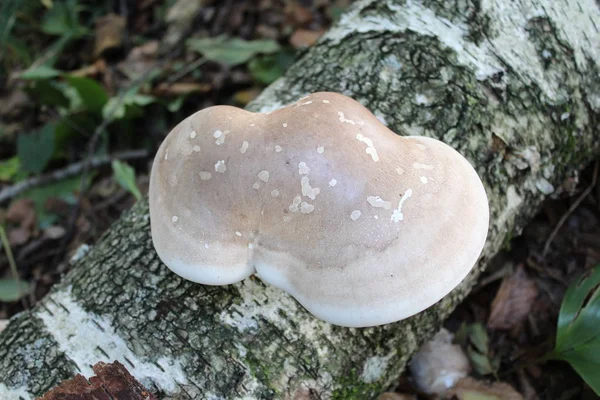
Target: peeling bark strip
[513,85]
[112,381]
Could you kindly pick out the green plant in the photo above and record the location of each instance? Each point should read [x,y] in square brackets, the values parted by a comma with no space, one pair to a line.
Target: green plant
[267,68]
[125,176]
[232,51]
[11,289]
[474,338]
[578,331]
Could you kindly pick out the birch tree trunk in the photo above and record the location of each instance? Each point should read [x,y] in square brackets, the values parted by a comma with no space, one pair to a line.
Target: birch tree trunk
[513,85]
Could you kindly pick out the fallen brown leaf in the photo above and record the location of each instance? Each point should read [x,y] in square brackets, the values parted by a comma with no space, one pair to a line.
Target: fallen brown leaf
[111,381]
[397,396]
[97,68]
[266,31]
[14,104]
[181,88]
[513,302]
[305,38]
[469,388]
[179,19]
[148,50]
[298,14]
[54,232]
[110,31]
[22,212]
[140,59]
[18,236]
[244,97]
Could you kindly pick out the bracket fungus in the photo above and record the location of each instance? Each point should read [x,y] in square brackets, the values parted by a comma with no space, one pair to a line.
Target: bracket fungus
[362,226]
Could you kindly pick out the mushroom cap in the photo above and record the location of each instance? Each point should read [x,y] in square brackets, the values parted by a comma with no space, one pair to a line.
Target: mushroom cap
[362,226]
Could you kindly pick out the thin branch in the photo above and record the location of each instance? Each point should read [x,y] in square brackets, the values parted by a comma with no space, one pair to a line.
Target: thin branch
[573,207]
[185,70]
[67,172]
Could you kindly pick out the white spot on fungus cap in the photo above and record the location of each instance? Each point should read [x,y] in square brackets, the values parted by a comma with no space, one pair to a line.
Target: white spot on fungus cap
[377,247]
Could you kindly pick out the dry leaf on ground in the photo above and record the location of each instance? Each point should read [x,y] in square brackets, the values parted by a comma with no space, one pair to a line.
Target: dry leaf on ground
[397,396]
[513,302]
[179,18]
[21,213]
[18,236]
[110,31]
[305,38]
[14,104]
[140,60]
[298,14]
[469,388]
[54,232]
[181,88]
[244,97]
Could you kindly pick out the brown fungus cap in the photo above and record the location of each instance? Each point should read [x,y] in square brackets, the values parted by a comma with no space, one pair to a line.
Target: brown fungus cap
[360,225]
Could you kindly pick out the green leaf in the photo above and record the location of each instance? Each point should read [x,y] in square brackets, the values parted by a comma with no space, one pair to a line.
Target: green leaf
[141,100]
[73,129]
[114,109]
[35,149]
[18,49]
[232,51]
[479,338]
[118,107]
[92,94]
[475,338]
[8,13]
[578,331]
[9,168]
[336,12]
[57,20]
[481,362]
[64,190]
[175,104]
[53,52]
[63,19]
[13,289]
[47,92]
[125,176]
[40,72]
[266,69]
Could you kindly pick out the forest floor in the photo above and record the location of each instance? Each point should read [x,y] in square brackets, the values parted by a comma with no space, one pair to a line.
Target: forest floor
[88,92]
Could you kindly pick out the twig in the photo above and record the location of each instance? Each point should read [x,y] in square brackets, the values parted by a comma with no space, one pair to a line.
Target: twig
[124,12]
[67,172]
[186,70]
[573,207]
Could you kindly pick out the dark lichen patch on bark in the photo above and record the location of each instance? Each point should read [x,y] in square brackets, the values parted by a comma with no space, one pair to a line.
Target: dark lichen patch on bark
[467,13]
[30,358]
